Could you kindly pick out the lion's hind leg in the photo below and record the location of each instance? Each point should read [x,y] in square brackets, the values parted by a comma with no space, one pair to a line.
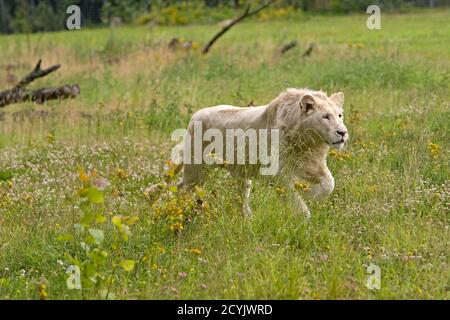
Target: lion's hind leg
[192,175]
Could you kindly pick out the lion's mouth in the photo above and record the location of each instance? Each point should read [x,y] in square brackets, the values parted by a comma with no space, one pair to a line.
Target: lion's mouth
[338,142]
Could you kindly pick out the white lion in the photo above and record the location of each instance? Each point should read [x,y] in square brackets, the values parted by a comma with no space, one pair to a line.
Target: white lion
[308,122]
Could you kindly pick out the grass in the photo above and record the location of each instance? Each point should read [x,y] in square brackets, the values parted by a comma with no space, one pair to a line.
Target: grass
[389,208]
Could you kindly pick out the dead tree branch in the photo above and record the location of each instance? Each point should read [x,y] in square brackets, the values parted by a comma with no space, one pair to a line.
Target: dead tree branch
[288,46]
[247,13]
[41,95]
[19,93]
[36,73]
[308,51]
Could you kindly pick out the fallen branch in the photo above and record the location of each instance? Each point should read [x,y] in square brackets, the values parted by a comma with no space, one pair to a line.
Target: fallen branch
[45,94]
[308,51]
[20,94]
[288,46]
[247,13]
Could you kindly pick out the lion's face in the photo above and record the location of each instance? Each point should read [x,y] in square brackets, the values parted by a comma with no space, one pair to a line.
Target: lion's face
[323,116]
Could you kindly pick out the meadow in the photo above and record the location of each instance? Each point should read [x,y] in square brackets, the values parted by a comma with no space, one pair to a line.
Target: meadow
[73,172]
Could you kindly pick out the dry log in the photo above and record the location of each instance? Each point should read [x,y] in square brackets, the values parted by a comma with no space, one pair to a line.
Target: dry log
[19,93]
[247,13]
[288,46]
[308,51]
[45,94]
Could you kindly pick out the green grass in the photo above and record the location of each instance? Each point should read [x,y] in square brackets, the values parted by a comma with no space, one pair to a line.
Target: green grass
[390,205]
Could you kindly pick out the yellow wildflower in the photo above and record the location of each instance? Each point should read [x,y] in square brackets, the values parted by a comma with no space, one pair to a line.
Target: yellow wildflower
[122,174]
[195,251]
[434,149]
[281,190]
[50,138]
[301,186]
[339,155]
[176,227]
[83,176]
[42,290]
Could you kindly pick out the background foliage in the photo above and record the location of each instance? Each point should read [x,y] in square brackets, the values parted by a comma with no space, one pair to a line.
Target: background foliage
[49,15]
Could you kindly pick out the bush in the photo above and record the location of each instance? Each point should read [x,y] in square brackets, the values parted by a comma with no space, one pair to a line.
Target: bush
[196,13]
[185,13]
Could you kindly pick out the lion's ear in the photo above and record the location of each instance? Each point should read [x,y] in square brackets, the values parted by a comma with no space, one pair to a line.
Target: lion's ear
[307,103]
[338,98]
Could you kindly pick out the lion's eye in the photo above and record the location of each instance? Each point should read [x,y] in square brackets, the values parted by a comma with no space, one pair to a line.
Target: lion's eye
[327,116]
[340,116]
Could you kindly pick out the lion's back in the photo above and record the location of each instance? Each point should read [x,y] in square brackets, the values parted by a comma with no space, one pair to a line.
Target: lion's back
[229,117]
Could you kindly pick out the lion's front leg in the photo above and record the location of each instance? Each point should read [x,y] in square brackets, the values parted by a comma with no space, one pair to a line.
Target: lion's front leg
[322,189]
[298,201]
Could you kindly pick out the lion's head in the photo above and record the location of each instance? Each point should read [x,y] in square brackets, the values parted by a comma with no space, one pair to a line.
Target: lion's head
[314,116]
[324,116]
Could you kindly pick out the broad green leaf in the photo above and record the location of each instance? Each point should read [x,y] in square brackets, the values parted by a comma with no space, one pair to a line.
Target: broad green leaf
[97,234]
[95,196]
[87,219]
[99,256]
[99,218]
[131,220]
[117,221]
[65,237]
[122,228]
[127,265]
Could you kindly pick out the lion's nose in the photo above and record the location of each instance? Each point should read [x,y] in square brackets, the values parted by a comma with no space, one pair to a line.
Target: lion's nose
[341,132]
